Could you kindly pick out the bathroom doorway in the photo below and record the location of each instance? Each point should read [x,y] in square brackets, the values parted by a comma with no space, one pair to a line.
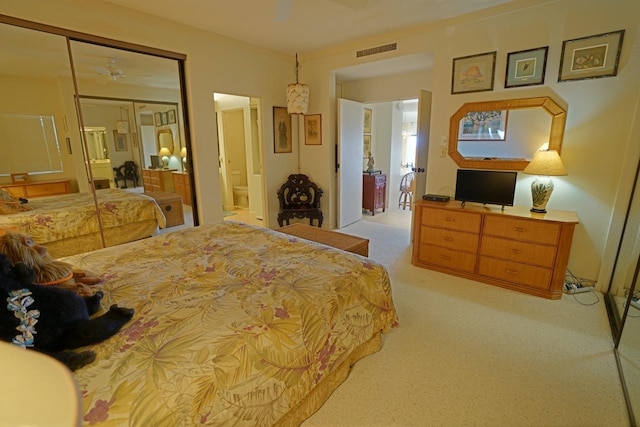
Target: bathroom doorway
[240,162]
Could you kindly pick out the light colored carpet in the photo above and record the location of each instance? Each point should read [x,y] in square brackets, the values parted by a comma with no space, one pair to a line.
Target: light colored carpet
[468,353]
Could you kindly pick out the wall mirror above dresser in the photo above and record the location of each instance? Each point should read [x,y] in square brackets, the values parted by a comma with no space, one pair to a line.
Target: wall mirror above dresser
[75,107]
[504,134]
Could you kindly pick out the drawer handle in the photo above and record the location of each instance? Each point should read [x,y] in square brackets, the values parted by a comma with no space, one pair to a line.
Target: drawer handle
[520,229]
[515,251]
[450,219]
[168,208]
[447,239]
[513,272]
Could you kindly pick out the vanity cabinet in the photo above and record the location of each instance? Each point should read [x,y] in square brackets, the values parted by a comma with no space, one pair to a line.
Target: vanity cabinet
[374,189]
[182,186]
[39,189]
[158,180]
[512,248]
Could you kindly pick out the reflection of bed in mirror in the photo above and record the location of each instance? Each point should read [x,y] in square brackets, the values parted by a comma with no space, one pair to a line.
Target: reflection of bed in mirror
[68,224]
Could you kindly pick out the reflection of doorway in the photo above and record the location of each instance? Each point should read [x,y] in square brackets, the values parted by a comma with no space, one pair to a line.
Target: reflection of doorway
[240,163]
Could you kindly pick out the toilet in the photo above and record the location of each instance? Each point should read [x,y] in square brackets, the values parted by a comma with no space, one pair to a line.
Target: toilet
[241,196]
[240,192]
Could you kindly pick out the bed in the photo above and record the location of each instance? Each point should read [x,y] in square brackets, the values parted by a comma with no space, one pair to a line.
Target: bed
[68,224]
[235,325]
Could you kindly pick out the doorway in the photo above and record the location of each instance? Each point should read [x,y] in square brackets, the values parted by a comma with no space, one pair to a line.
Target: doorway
[240,162]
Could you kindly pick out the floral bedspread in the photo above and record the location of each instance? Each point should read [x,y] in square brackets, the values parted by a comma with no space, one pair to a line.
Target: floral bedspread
[233,325]
[71,215]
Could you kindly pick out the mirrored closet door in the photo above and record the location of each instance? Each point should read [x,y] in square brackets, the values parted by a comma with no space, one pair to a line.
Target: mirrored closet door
[80,117]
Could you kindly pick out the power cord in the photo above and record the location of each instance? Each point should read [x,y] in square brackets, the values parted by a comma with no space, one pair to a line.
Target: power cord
[575,285]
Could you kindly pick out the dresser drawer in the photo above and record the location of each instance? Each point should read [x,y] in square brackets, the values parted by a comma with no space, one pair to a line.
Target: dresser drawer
[513,250]
[448,258]
[522,229]
[527,275]
[456,240]
[454,220]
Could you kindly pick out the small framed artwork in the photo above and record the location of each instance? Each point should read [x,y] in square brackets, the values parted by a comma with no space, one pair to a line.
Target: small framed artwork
[20,178]
[368,113]
[366,147]
[590,57]
[473,73]
[281,130]
[120,141]
[483,126]
[158,119]
[526,67]
[165,118]
[171,116]
[313,129]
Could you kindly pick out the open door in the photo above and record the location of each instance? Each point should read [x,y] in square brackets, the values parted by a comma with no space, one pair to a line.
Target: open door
[350,154]
[422,148]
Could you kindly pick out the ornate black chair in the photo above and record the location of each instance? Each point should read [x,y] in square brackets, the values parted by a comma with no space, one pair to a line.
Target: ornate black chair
[299,198]
[127,171]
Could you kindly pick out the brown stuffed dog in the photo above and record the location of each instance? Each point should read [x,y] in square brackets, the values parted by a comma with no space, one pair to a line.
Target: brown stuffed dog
[49,271]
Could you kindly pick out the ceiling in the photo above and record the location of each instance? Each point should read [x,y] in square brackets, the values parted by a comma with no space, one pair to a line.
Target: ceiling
[291,26]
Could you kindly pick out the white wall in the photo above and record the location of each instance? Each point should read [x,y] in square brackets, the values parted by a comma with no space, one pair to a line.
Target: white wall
[600,111]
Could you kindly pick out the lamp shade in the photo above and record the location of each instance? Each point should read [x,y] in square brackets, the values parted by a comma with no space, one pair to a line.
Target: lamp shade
[164,151]
[546,163]
[183,152]
[297,98]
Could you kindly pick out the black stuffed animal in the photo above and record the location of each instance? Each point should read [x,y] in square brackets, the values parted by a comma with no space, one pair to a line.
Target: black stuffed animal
[51,319]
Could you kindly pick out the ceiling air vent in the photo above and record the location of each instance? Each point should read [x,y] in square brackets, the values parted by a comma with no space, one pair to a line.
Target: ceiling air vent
[376,50]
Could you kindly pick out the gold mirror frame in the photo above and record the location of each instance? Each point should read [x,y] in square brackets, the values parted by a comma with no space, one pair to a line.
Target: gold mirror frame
[556,133]
[169,145]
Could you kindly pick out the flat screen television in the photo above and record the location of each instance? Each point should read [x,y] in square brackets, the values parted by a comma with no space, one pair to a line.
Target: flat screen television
[487,187]
[155,162]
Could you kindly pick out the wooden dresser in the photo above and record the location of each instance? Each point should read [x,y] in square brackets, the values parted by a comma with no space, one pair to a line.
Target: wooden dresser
[182,186]
[514,248]
[374,189]
[39,189]
[158,180]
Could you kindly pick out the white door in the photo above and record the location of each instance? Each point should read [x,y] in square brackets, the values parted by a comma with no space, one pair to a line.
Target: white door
[422,147]
[350,154]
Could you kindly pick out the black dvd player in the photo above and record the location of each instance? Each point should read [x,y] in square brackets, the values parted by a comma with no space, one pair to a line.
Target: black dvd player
[436,197]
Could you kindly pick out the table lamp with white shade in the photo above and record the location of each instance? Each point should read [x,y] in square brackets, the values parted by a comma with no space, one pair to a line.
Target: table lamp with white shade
[164,154]
[545,164]
[183,154]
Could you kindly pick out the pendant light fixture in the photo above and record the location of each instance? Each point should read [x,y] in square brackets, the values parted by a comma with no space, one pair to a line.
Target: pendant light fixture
[297,95]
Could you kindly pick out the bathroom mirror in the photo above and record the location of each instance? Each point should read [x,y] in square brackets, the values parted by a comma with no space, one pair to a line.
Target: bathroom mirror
[165,140]
[519,127]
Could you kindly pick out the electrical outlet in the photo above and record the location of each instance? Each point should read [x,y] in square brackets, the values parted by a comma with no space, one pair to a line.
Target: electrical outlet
[443,151]
[444,141]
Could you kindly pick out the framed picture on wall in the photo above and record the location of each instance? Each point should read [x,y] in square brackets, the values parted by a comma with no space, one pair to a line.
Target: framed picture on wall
[313,129]
[281,130]
[368,115]
[366,147]
[473,73]
[120,141]
[165,118]
[590,57]
[171,116]
[526,67]
[157,119]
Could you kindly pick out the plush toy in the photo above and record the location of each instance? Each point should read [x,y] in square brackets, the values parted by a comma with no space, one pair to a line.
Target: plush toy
[51,319]
[49,271]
